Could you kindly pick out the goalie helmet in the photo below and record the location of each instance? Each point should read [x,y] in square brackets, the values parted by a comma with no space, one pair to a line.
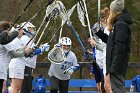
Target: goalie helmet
[66,44]
[65,41]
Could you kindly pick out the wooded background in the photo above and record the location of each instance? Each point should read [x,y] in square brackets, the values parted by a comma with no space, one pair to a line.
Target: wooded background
[10,9]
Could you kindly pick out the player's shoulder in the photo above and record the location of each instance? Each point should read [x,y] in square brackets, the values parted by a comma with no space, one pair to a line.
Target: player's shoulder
[71,53]
[24,37]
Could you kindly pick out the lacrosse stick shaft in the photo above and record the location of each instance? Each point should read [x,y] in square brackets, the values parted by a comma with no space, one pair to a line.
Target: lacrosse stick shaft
[51,16]
[48,12]
[54,34]
[22,12]
[87,19]
[62,24]
[42,33]
[49,30]
[63,10]
[99,3]
[60,28]
[42,23]
[34,15]
[77,36]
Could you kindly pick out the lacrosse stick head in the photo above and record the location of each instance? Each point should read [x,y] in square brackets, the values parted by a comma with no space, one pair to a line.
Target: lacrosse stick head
[56,55]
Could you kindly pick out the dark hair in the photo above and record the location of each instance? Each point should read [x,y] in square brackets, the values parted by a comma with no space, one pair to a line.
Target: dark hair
[4,25]
[104,12]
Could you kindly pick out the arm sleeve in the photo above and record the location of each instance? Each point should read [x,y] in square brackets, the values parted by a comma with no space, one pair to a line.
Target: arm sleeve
[13,52]
[75,66]
[17,53]
[99,44]
[103,36]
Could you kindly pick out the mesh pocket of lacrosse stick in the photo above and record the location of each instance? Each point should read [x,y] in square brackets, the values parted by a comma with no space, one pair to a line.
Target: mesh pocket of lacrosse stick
[56,55]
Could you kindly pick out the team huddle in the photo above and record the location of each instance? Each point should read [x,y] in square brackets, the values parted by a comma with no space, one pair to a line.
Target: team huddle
[109,39]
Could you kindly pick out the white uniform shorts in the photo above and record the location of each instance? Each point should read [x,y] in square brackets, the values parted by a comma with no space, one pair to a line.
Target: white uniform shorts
[3,72]
[3,75]
[16,73]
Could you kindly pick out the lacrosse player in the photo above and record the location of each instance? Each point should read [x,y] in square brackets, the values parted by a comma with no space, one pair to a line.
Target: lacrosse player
[101,49]
[29,31]
[17,65]
[6,53]
[59,73]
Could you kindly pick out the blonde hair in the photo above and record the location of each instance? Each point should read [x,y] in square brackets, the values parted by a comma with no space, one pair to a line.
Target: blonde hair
[112,17]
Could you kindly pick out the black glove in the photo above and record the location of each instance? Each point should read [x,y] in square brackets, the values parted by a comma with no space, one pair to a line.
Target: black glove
[47,19]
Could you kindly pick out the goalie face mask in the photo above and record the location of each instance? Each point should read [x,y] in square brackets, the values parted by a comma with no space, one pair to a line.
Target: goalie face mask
[66,48]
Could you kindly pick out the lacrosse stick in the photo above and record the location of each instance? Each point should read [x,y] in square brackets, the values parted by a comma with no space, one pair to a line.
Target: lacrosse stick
[48,11]
[56,55]
[81,13]
[99,4]
[69,13]
[52,10]
[21,13]
[34,15]
[87,18]
[49,30]
[64,16]
[34,36]
[52,16]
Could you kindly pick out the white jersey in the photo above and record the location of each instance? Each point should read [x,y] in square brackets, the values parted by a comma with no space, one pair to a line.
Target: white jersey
[100,57]
[104,53]
[19,62]
[4,62]
[31,62]
[57,70]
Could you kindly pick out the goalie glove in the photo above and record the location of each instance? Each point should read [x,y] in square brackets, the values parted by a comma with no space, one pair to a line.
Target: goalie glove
[71,70]
[43,48]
